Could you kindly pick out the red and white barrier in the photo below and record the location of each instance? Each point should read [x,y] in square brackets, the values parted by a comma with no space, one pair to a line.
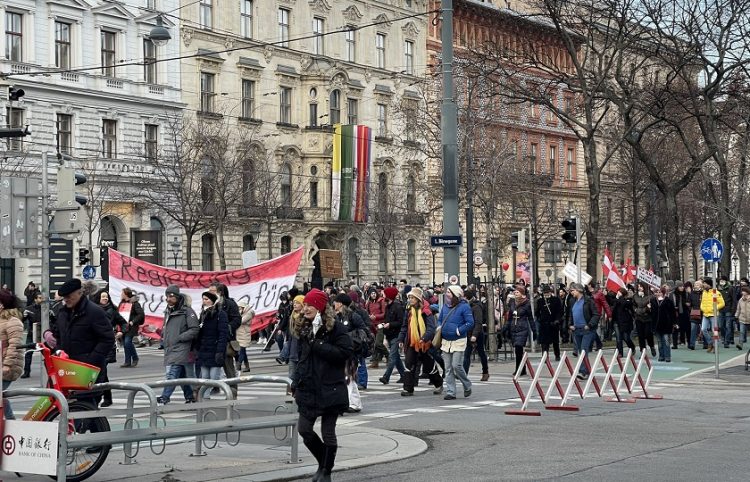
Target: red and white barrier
[526,397]
[571,372]
[644,360]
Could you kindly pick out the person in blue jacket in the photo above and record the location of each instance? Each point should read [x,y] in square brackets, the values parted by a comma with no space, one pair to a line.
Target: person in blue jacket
[455,322]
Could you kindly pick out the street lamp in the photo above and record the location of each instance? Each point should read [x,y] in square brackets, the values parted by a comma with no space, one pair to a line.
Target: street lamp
[735,267]
[160,35]
[175,244]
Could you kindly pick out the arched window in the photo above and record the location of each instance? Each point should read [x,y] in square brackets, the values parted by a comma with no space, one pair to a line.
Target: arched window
[207,252]
[248,242]
[411,194]
[382,192]
[411,256]
[286,185]
[108,232]
[286,244]
[248,181]
[334,114]
[353,250]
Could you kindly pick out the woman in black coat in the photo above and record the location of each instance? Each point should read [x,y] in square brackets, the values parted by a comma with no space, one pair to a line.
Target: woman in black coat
[518,325]
[623,317]
[664,320]
[212,340]
[550,313]
[118,325]
[135,320]
[319,384]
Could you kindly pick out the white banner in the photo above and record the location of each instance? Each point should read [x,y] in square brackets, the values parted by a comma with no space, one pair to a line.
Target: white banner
[649,277]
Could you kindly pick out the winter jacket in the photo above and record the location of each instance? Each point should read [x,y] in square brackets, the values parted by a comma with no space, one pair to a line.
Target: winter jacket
[707,302]
[429,325]
[230,308]
[136,318]
[84,332]
[478,315]
[663,315]
[283,315]
[590,313]
[623,313]
[680,300]
[244,336]
[549,310]
[458,323]
[518,326]
[601,304]
[11,335]
[376,309]
[640,303]
[394,316]
[114,317]
[728,293]
[743,311]
[180,329]
[319,383]
[213,336]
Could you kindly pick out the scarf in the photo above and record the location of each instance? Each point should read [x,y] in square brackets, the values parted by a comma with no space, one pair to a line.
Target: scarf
[417,329]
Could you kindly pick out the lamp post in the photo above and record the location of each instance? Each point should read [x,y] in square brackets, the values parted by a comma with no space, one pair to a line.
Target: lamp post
[434,254]
[175,244]
[735,267]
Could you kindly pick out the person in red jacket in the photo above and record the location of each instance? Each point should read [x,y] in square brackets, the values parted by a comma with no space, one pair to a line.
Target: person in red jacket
[605,311]
[375,307]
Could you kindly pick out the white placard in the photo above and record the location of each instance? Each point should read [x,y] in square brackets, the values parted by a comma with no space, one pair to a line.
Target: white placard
[30,447]
[249,258]
[570,271]
[649,278]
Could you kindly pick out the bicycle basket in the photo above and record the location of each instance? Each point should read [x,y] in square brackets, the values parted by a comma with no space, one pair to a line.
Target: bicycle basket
[74,375]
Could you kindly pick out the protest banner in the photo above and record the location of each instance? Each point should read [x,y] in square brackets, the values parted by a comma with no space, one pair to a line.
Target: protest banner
[259,285]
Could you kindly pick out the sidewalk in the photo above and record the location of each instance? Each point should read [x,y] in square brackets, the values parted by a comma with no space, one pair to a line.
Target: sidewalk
[358,447]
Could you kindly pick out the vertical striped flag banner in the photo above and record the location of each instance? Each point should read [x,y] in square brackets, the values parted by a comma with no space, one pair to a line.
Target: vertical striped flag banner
[350,172]
[614,279]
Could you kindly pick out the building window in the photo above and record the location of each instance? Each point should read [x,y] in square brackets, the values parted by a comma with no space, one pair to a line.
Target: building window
[208,94]
[62,45]
[411,256]
[552,161]
[246,18]
[109,139]
[15,120]
[553,252]
[286,186]
[383,193]
[313,194]
[65,133]
[410,113]
[382,120]
[313,115]
[334,114]
[353,252]
[571,163]
[207,252]
[409,57]
[351,45]
[286,244]
[149,62]
[285,105]
[151,134]
[248,242]
[318,30]
[248,181]
[284,27]
[411,194]
[351,110]
[248,98]
[533,153]
[206,14]
[109,53]
[380,50]
[14,36]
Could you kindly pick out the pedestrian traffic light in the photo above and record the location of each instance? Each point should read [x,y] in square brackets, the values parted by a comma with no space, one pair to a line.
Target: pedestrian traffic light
[570,226]
[83,256]
[69,218]
[15,94]
[514,240]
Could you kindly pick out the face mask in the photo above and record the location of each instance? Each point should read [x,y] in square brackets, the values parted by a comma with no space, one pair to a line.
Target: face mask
[640,292]
[722,283]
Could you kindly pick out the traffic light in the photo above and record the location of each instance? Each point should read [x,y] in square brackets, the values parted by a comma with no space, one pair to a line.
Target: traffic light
[570,227]
[83,256]
[514,240]
[15,94]
[69,217]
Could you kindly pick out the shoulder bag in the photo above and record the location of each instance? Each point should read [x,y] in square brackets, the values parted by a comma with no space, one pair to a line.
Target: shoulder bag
[437,340]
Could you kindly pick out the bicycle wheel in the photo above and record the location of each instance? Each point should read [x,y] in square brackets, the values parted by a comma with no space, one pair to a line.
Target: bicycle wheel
[82,463]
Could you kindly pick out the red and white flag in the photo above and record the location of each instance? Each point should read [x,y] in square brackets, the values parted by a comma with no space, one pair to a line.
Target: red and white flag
[614,280]
[259,285]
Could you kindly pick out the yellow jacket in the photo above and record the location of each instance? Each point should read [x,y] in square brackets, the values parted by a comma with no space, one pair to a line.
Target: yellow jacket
[707,302]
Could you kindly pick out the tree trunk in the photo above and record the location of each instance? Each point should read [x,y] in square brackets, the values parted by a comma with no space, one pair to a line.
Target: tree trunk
[269,239]
[636,226]
[592,230]
[672,232]
[219,241]
[189,249]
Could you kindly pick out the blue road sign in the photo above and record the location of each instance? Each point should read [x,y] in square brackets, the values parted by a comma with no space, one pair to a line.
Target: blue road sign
[89,272]
[445,241]
[711,250]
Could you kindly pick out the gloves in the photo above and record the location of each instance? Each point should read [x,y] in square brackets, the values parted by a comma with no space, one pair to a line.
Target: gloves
[219,359]
[50,340]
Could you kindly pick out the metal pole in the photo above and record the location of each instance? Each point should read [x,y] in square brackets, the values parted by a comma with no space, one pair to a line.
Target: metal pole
[714,326]
[45,259]
[530,293]
[491,319]
[652,228]
[578,247]
[448,119]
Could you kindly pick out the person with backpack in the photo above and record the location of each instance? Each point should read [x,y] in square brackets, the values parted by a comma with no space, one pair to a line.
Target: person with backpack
[358,332]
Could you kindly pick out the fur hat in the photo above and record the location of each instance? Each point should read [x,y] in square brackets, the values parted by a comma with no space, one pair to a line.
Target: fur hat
[417,293]
[343,298]
[317,299]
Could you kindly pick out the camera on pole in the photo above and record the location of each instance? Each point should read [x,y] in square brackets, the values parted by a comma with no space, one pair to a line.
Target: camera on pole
[569,236]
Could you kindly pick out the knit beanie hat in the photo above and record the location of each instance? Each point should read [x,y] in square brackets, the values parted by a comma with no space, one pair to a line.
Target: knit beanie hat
[456,291]
[343,298]
[391,292]
[317,299]
[210,296]
[172,290]
[299,299]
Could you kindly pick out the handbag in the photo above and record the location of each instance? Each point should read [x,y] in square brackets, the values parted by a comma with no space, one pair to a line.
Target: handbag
[437,339]
[695,314]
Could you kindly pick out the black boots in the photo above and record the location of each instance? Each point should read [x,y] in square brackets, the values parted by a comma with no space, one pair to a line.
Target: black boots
[330,458]
[318,449]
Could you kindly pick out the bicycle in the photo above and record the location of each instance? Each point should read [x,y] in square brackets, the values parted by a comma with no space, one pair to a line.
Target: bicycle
[74,380]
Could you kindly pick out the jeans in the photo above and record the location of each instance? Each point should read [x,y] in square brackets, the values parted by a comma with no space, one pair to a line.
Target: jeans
[379,352]
[583,340]
[454,368]
[665,349]
[743,333]
[6,403]
[694,329]
[479,346]
[362,372]
[210,373]
[726,327]
[130,354]
[623,336]
[243,355]
[394,360]
[707,327]
[173,372]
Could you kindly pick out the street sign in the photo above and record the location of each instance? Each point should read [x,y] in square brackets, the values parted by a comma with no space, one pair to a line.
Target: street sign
[478,260]
[29,447]
[60,262]
[649,277]
[570,271]
[453,279]
[711,250]
[445,241]
[89,272]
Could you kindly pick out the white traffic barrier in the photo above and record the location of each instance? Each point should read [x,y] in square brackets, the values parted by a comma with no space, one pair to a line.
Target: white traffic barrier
[644,360]
[526,397]
[564,394]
